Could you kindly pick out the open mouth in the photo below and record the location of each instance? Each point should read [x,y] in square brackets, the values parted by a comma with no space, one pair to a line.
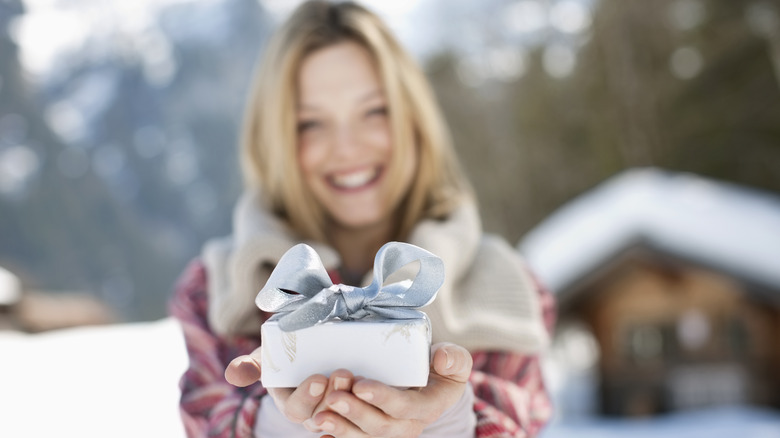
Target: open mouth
[355,180]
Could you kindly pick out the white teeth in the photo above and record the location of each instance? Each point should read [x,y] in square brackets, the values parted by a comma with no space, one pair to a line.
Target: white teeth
[354,179]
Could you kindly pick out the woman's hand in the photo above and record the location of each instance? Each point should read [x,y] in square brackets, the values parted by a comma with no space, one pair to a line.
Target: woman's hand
[297,404]
[348,407]
[375,409]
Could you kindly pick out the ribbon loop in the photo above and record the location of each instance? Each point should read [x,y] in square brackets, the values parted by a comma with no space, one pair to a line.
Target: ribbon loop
[317,299]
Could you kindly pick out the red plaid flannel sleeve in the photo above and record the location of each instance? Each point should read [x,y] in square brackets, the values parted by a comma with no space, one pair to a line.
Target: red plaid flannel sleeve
[210,406]
[511,399]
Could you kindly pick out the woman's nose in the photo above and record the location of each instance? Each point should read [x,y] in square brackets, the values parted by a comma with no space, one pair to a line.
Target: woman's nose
[346,141]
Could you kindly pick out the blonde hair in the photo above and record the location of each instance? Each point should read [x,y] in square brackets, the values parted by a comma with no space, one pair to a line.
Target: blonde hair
[269,138]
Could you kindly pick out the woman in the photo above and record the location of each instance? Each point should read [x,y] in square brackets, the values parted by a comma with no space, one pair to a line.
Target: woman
[344,148]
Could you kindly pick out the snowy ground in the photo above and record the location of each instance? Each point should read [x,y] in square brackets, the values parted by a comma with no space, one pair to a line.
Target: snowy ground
[117,381]
[121,381]
[729,422]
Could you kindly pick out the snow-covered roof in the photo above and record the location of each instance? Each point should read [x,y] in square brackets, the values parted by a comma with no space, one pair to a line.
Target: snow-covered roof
[717,224]
[10,287]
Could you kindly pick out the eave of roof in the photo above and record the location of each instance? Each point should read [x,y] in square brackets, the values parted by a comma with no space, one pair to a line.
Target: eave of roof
[716,224]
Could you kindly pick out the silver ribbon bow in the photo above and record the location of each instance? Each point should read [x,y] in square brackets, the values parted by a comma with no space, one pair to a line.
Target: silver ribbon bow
[300,289]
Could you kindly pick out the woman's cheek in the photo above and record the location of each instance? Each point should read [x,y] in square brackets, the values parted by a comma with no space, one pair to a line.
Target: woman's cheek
[310,153]
[378,136]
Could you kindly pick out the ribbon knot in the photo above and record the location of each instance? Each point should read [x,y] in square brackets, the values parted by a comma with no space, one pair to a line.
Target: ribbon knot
[317,299]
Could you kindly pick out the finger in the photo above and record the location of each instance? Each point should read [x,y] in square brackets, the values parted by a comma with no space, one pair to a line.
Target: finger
[419,404]
[451,361]
[340,380]
[298,404]
[358,418]
[450,368]
[244,370]
[336,424]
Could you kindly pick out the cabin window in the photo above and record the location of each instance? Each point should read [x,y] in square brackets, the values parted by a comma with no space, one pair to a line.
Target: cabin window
[693,330]
[644,343]
[737,337]
[707,384]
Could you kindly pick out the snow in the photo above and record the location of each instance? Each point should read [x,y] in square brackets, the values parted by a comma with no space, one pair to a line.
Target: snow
[121,381]
[714,223]
[726,422]
[10,287]
[118,381]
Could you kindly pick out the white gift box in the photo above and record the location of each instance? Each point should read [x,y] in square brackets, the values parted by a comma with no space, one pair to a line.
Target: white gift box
[395,352]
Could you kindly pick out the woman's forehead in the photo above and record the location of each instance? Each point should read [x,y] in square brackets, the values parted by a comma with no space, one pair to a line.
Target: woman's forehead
[313,104]
[344,71]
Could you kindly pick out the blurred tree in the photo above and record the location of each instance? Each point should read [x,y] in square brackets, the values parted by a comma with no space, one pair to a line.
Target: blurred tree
[61,231]
[725,121]
[686,85]
[130,151]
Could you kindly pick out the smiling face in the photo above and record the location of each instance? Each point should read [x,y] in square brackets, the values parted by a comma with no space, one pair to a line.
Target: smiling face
[344,137]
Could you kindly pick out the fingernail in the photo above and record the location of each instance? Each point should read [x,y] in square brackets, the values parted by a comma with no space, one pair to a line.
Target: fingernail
[341,383]
[450,359]
[367,396]
[328,426]
[316,389]
[248,364]
[341,407]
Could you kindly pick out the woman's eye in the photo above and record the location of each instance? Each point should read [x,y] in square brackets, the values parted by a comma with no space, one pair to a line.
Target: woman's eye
[378,111]
[307,125]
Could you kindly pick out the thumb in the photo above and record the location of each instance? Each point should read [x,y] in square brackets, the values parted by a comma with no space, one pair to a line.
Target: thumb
[244,370]
[451,361]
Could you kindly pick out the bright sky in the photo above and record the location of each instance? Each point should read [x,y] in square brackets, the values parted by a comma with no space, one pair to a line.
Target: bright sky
[53,27]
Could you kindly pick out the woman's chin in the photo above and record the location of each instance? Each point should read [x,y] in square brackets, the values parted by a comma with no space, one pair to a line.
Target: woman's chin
[360,221]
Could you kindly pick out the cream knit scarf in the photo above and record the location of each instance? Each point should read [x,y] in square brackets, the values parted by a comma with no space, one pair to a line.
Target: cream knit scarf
[487,302]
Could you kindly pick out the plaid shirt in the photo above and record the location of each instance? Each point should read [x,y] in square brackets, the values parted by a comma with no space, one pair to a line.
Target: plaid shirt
[511,400]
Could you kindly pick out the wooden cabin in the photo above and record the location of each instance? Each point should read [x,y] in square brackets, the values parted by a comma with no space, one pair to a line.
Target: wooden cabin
[677,278]
[39,311]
